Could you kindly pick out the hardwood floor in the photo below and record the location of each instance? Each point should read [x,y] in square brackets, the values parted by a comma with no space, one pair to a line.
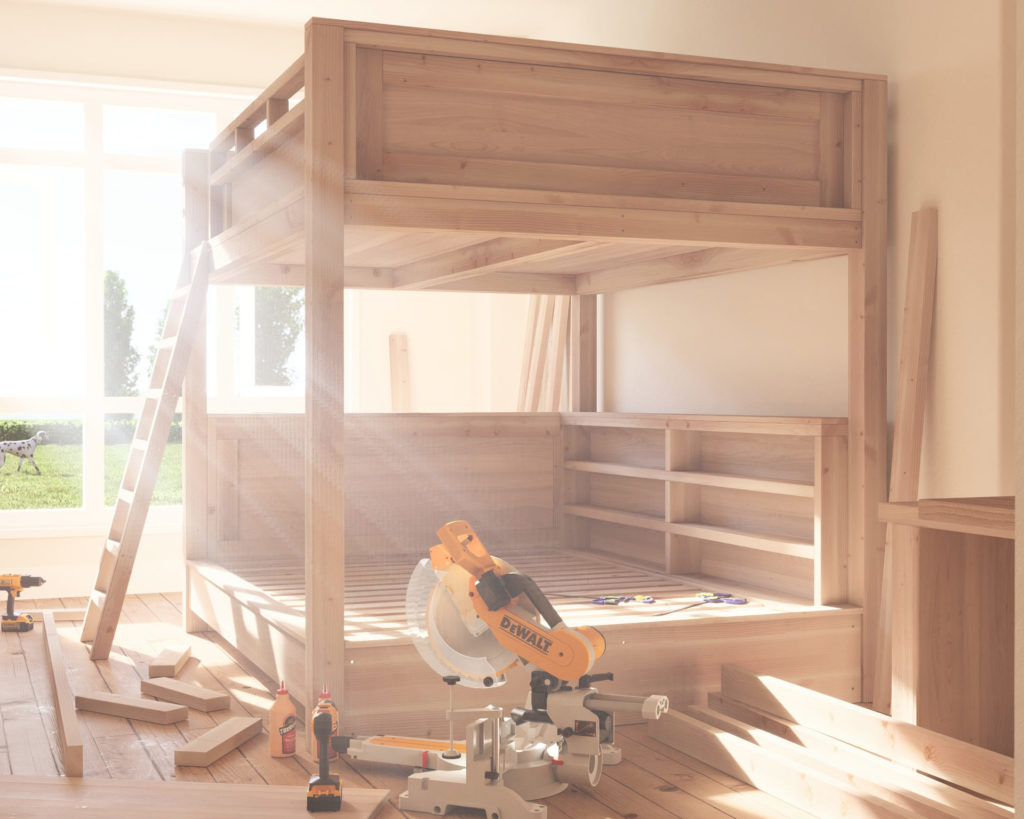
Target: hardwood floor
[653,782]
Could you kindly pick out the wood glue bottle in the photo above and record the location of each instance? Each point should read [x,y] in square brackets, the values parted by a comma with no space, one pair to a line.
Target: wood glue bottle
[283,724]
[325,697]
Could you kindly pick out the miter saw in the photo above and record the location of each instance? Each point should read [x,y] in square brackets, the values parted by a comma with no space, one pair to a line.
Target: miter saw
[473,618]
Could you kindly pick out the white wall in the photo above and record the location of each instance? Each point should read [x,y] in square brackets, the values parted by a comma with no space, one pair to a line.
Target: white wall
[749,343]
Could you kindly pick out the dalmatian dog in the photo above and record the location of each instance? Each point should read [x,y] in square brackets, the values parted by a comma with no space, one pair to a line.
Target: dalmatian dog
[23,449]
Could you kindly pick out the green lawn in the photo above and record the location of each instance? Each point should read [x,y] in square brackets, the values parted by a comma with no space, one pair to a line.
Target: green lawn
[60,485]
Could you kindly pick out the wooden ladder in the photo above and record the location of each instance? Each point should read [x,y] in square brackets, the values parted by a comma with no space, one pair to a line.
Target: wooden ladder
[184,314]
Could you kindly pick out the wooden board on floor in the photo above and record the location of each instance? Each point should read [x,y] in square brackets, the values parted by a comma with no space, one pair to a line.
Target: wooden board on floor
[211,746]
[169,662]
[193,696]
[122,799]
[69,735]
[118,705]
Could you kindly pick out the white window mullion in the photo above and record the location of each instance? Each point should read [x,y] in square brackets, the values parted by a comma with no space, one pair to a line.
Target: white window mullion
[93,453]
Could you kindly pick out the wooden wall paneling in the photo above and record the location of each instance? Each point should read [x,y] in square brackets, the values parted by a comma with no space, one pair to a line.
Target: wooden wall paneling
[906,622]
[831,135]
[867,375]
[908,425]
[831,522]
[583,353]
[633,447]
[69,735]
[575,487]
[984,771]
[682,501]
[776,572]
[196,169]
[324,177]
[369,127]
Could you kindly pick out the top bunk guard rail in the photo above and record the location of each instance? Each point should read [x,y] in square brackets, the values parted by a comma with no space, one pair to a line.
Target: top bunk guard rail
[268,107]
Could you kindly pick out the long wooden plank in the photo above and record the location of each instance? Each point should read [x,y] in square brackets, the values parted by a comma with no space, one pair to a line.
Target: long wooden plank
[69,735]
[846,757]
[193,696]
[907,438]
[978,769]
[583,353]
[119,705]
[35,797]
[211,746]
[809,790]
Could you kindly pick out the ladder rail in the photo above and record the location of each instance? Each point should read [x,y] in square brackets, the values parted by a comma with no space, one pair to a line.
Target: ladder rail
[139,478]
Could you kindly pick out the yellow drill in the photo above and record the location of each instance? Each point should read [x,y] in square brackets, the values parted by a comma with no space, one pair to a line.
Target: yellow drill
[13,584]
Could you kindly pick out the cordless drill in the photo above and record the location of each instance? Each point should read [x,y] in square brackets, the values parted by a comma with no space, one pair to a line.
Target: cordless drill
[13,584]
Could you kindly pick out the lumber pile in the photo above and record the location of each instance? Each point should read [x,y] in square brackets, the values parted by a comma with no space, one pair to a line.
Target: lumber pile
[832,758]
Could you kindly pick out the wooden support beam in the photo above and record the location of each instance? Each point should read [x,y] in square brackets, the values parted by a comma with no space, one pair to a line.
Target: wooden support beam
[69,736]
[206,749]
[475,260]
[694,264]
[847,757]
[529,339]
[324,213]
[119,705]
[593,217]
[907,438]
[181,693]
[867,378]
[170,661]
[969,766]
[809,790]
[398,357]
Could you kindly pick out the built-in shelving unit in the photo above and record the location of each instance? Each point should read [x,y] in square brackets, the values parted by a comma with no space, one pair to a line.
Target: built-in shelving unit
[754,500]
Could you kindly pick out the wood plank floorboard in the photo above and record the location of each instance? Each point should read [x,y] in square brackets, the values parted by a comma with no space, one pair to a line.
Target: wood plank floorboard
[653,782]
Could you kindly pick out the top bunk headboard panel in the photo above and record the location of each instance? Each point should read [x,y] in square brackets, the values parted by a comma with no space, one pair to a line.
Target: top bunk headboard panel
[507,124]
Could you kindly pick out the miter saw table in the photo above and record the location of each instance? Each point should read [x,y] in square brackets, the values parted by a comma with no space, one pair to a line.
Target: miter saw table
[474,618]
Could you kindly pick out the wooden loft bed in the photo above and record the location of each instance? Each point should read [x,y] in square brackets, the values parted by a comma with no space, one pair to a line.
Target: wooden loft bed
[400,158]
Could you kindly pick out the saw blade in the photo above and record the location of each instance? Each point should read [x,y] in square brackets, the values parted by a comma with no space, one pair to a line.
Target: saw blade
[444,641]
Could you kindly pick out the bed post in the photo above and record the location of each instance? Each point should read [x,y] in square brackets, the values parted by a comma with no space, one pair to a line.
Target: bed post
[196,170]
[867,373]
[325,270]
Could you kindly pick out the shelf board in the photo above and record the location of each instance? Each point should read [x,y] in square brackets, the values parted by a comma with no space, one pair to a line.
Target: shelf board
[617,516]
[716,479]
[747,540]
[716,534]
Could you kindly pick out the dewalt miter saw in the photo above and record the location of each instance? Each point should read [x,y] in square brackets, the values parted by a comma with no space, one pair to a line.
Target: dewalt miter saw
[473,618]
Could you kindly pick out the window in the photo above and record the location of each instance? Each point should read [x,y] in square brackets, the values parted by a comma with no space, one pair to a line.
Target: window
[91,238]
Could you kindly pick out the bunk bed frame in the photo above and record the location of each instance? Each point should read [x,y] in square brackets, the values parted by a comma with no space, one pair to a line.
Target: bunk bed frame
[401,158]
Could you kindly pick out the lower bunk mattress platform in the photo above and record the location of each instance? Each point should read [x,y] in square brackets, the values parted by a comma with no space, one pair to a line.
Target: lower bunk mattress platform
[665,646]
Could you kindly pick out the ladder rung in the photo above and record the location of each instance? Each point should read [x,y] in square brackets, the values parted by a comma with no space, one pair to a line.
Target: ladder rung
[97,598]
[126,495]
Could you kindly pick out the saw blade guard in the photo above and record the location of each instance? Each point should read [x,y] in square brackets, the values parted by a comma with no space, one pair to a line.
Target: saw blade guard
[444,640]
